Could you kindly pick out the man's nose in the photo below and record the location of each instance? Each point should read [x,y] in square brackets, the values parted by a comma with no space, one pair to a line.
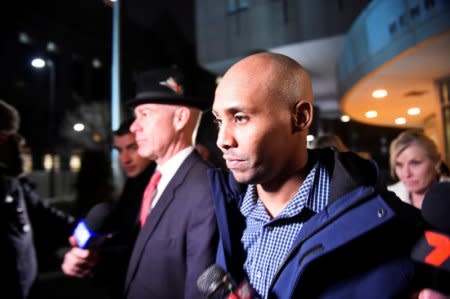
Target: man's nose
[225,138]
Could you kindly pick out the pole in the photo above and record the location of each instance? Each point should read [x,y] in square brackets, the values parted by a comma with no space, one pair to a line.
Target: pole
[51,120]
[115,88]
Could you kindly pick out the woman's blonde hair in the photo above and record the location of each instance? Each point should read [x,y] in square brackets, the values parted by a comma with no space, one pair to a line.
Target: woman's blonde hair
[408,138]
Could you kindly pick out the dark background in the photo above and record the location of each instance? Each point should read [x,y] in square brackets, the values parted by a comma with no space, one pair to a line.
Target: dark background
[153,34]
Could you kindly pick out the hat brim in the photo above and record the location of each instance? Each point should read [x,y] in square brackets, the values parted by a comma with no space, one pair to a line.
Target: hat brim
[170,100]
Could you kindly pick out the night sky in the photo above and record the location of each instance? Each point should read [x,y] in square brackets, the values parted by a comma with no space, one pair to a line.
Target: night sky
[154,34]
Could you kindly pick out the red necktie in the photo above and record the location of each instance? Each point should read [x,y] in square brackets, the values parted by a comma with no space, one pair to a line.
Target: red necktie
[149,193]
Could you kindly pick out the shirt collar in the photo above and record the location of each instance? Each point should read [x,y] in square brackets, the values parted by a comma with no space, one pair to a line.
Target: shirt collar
[300,200]
[170,167]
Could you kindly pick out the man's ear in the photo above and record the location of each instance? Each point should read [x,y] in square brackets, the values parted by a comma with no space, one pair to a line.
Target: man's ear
[302,115]
[181,117]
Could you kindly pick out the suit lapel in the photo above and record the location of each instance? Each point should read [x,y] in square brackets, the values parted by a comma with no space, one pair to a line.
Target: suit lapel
[167,197]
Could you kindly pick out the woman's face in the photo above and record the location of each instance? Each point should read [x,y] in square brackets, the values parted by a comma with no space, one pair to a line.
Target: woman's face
[415,169]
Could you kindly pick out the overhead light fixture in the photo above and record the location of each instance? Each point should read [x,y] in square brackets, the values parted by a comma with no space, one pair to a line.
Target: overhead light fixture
[38,63]
[414,111]
[400,121]
[379,93]
[371,114]
[345,118]
[78,127]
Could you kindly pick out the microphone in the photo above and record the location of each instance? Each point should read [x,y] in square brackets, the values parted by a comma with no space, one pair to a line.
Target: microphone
[432,251]
[215,283]
[91,231]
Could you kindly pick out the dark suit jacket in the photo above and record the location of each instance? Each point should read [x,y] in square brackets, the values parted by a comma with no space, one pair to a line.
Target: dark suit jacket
[178,241]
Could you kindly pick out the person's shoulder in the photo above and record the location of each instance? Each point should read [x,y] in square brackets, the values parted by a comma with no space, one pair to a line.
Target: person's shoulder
[9,183]
[223,181]
[444,179]
[362,170]
[395,186]
[27,183]
[198,162]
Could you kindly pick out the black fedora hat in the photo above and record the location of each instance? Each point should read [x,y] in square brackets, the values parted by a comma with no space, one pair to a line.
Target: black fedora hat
[164,86]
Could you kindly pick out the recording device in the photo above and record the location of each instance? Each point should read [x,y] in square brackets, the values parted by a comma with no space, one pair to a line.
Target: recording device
[215,283]
[91,231]
[432,251]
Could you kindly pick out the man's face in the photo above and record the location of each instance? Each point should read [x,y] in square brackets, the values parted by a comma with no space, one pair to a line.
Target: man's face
[255,131]
[154,130]
[130,161]
[11,153]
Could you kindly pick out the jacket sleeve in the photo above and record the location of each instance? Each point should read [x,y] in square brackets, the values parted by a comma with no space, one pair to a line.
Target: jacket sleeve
[201,241]
[51,226]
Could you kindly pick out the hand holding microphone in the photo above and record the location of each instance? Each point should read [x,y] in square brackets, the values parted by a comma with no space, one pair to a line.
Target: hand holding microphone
[215,283]
[88,235]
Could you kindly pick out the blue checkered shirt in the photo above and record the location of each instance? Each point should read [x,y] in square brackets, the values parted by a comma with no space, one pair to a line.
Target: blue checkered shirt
[267,241]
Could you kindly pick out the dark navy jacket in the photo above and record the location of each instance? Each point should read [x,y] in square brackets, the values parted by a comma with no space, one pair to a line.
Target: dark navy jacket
[357,247]
[27,224]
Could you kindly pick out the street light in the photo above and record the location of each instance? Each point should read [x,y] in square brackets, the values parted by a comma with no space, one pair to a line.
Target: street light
[42,63]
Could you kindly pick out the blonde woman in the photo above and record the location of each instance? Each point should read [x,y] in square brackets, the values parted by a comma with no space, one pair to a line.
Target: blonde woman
[416,163]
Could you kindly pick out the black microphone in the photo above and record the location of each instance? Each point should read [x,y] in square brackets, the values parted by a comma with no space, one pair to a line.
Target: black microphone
[432,251]
[91,231]
[215,283]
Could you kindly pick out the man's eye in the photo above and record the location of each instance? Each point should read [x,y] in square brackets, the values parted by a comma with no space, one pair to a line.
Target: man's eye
[240,118]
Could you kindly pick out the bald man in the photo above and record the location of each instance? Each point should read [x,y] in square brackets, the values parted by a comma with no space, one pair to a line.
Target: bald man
[299,223]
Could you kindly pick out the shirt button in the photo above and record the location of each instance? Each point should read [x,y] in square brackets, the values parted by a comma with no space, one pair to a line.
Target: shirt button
[26,228]
[19,210]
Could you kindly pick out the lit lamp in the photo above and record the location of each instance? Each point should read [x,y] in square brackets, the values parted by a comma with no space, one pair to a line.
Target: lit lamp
[40,63]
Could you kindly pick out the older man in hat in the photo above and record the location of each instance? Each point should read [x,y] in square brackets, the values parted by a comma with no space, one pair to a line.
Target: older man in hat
[24,216]
[178,238]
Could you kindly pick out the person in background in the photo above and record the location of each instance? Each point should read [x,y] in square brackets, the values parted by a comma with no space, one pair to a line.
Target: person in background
[299,223]
[94,181]
[25,218]
[415,161]
[178,239]
[203,151]
[330,140]
[109,263]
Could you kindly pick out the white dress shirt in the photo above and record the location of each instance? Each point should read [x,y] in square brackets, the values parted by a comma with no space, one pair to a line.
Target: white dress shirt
[168,170]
